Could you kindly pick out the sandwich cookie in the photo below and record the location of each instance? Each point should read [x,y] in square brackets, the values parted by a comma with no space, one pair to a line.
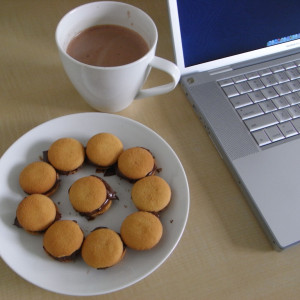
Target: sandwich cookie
[102,248]
[66,155]
[103,149]
[91,196]
[63,240]
[36,213]
[151,194]
[136,163]
[39,178]
[141,230]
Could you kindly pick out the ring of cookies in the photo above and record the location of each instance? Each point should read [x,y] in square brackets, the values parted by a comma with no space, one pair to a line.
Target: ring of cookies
[91,196]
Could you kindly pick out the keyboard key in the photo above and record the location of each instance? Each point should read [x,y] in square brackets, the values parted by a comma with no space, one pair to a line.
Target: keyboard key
[289,65]
[261,122]
[267,71]
[277,69]
[239,78]
[250,111]
[261,137]
[292,98]
[281,77]
[296,124]
[252,75]
[274,133]
[294,85]
[293,74]
[256,84]
[287,129]
[282,115]
[294,111]
[225,82]
[240,101]
[269,80]
[282,89]
[269,92]
[230,91]
[280,102]
[268,106]
[243,87]
[257,96]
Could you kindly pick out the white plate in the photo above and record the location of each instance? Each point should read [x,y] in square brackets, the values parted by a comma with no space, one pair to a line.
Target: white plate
[24,253]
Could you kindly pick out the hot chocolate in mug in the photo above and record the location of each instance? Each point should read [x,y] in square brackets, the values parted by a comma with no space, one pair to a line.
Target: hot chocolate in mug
[112,88]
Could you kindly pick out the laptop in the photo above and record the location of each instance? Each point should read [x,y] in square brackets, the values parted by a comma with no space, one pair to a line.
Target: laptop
[240,67]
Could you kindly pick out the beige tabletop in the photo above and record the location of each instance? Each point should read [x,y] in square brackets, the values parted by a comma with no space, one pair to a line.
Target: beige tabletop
[223,253]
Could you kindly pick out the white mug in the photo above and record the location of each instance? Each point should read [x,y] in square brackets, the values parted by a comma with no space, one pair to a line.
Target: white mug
[112,89]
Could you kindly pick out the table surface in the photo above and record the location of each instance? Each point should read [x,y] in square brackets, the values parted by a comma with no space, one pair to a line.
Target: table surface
[223,253]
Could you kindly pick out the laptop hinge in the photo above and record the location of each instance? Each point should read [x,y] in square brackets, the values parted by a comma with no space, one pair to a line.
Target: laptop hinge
[220,70]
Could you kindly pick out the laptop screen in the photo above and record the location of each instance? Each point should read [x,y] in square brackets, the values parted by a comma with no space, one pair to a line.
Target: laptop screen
[212,29]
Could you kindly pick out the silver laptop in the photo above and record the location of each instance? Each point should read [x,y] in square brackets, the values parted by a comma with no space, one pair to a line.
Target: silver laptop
[240,66]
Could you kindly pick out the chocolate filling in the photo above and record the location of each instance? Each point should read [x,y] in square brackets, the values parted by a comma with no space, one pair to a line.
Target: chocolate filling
[110,195]
[107,171]
[16,223]
[152,172]
[65,258]
[54,188]
[99,227]
[92,215]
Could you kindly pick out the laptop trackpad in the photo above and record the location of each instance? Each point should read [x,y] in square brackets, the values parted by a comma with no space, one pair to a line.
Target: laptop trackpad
[278,199]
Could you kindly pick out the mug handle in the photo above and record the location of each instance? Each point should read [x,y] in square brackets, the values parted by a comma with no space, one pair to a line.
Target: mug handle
[166,66]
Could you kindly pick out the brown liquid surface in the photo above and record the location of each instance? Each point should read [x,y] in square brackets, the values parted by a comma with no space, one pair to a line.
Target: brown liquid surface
[107,46]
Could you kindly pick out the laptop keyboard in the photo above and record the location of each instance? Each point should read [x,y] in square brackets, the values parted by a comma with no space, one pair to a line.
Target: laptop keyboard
[268,101]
